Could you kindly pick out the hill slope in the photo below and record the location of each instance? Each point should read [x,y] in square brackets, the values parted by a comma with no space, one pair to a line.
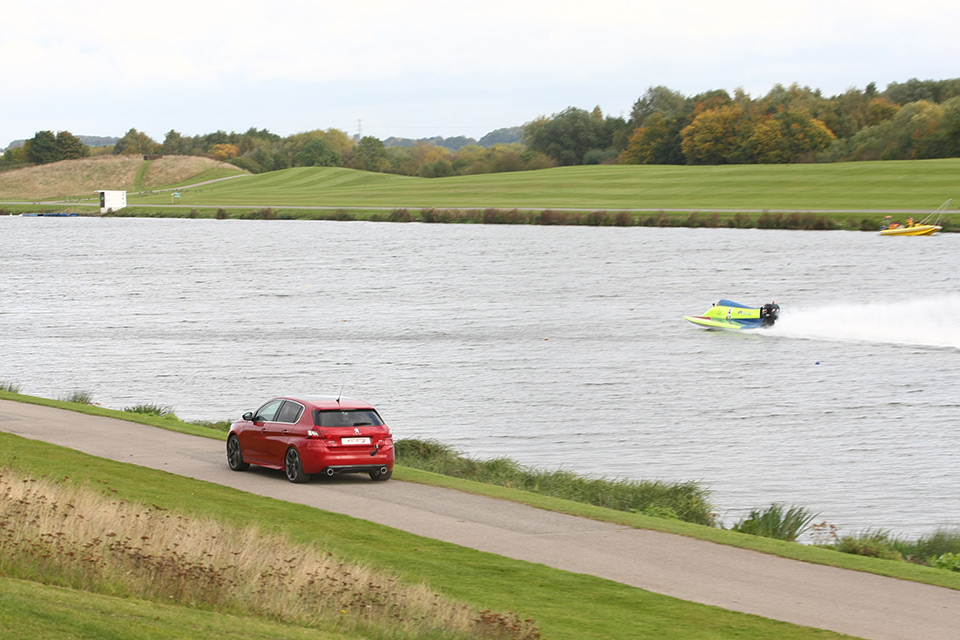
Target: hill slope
[79,178]
[919,185]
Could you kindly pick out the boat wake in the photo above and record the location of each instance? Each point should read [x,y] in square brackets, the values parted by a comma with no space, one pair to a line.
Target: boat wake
[933,322]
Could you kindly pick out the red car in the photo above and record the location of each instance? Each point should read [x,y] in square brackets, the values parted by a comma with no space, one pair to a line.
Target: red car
[309,435]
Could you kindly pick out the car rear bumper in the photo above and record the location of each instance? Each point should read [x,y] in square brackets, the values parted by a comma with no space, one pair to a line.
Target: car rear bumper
[321,460]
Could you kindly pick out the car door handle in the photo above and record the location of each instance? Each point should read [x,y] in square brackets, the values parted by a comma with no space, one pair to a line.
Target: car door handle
[263,431]
[285,432]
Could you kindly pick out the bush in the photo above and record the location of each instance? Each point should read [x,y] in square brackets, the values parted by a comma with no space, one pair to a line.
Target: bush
[221,213]
[598,219]
[775,522]
[873,544]
[548,217]
[948,561]
[399,215]
[686,500]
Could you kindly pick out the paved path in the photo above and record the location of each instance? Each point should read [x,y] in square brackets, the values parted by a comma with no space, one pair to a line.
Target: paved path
[849,602]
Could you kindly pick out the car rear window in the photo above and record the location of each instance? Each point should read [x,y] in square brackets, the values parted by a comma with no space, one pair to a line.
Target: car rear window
[346,418]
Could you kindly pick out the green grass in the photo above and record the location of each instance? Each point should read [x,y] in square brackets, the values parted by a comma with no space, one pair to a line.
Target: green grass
[31,611]
[169,422]
[564,605]
[805,553]
[851,186]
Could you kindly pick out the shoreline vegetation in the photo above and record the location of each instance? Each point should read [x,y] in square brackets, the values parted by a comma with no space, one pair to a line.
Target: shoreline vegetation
[681,507]
[787,220]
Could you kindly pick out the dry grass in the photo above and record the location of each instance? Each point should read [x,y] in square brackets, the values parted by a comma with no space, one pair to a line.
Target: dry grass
[80,178]
[75,537]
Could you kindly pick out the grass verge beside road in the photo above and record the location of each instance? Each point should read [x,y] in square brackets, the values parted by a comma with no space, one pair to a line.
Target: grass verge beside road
[806,553]
[563,605]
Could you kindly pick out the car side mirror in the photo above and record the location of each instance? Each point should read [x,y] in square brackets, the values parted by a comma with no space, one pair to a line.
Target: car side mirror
[248,416]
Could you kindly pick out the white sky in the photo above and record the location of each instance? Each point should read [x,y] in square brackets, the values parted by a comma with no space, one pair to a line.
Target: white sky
[422,68]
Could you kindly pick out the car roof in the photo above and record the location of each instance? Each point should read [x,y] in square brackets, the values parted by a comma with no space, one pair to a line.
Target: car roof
[329,402]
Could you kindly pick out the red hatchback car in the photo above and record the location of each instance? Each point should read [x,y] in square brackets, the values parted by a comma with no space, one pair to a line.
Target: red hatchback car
[308,435]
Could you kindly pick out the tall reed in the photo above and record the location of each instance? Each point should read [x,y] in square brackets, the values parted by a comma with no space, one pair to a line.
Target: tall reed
[777,522]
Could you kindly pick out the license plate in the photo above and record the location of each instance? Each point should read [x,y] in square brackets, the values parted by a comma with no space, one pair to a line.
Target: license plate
[354,440]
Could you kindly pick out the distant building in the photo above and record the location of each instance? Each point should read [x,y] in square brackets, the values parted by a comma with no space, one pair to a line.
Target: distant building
[112,200]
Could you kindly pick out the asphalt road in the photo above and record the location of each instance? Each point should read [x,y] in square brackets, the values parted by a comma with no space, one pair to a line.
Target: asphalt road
[850,602]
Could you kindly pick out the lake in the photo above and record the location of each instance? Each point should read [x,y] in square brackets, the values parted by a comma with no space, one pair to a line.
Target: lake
[559,347]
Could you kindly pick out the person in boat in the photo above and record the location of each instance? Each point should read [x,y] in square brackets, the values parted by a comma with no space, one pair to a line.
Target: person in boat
[910,221]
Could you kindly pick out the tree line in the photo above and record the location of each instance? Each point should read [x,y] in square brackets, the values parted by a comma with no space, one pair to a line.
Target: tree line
[910,120]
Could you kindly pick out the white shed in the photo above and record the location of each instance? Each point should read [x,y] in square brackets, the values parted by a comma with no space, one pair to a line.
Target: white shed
[112,200]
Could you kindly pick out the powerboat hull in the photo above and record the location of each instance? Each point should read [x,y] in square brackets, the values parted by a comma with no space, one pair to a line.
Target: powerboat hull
[728,315]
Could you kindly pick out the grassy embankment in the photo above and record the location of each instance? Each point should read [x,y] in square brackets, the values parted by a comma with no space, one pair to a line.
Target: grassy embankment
[840,195]
[76,180]
[561,604]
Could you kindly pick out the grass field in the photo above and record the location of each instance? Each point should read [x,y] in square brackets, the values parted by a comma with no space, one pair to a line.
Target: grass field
[918,185]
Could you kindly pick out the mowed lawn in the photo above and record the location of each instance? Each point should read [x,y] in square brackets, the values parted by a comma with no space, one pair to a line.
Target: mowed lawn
[920,185]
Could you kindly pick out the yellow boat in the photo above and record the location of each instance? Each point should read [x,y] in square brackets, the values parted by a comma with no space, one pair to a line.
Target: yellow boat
[926,227]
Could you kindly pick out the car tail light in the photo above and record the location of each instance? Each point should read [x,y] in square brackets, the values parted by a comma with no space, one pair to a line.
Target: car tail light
[312,434]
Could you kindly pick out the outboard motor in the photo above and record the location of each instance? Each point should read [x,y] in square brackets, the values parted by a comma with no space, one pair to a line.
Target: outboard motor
[769,314]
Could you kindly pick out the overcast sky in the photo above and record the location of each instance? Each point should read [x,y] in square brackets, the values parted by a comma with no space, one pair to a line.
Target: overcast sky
[421,68]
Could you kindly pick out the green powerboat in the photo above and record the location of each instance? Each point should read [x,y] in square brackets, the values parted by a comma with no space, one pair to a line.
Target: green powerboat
[733,316]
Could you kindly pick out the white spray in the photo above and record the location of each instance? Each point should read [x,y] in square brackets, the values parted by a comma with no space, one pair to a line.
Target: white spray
[931,322]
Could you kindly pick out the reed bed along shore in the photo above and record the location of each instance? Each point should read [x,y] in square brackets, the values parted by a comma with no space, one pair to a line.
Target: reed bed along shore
[75,537]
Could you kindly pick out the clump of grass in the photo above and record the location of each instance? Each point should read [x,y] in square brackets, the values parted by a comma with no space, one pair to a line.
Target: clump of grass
[937,550]
[75,537]
[150,410]
[777,522]
[218,425]
[686,500]
[874,544]
[78,397]
[11,387]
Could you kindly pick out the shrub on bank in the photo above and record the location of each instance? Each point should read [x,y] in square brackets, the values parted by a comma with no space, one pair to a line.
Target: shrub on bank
[686,500]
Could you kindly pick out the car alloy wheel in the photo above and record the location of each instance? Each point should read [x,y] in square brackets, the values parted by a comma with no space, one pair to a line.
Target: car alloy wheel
[235,455]
[293,467]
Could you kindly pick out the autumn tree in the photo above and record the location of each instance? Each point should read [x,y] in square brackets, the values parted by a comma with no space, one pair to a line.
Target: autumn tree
[712,136]
[658,141]
[223,151]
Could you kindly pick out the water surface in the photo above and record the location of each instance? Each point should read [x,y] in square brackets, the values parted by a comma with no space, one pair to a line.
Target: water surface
[560,347]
